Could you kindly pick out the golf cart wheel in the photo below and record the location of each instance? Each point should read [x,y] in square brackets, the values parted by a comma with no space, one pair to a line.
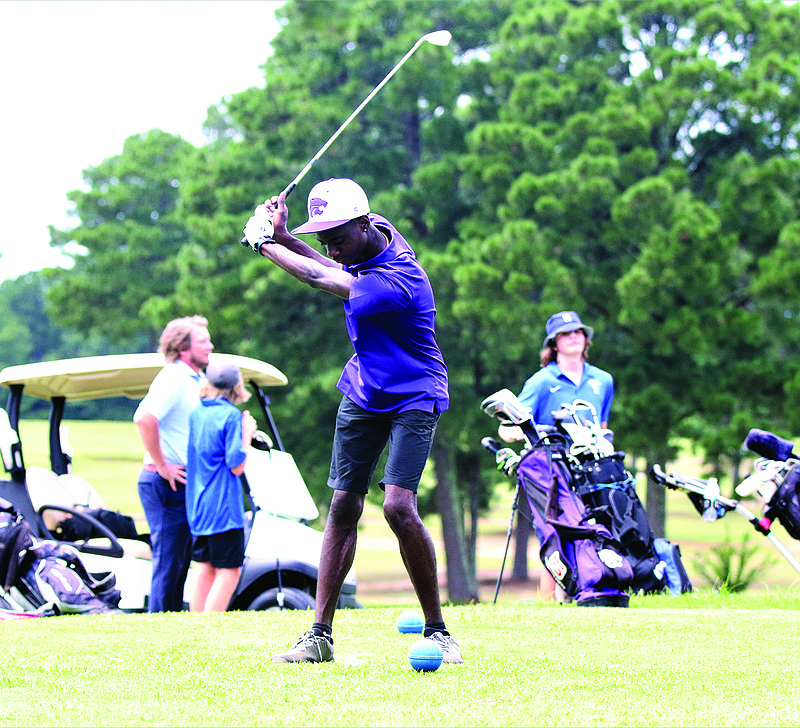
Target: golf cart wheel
[292,599]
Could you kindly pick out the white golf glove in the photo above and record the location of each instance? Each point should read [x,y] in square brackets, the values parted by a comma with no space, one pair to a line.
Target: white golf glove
[259,229]
[507,461]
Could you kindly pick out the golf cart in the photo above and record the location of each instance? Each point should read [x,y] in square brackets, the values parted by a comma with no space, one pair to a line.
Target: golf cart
[282,552]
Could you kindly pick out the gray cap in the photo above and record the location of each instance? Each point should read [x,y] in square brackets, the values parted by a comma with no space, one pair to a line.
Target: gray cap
[222,376]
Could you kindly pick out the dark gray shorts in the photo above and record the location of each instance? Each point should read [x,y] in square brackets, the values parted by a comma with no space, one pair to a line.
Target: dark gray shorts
[221,550]
[361,438]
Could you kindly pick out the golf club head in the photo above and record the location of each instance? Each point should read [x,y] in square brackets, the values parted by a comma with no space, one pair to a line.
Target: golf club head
[764,481]
[506,407]
[438,37]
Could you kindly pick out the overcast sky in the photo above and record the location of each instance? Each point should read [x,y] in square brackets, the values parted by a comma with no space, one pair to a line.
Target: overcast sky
[80,77]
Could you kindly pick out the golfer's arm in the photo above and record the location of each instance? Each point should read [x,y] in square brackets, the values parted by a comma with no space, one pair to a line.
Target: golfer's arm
[309,270]
[148,430]
[303,249]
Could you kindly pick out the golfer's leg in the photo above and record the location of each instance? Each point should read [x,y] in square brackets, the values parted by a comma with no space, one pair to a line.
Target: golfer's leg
[202,585]
[219,596]
[150,487]
[338,552]
[416,548]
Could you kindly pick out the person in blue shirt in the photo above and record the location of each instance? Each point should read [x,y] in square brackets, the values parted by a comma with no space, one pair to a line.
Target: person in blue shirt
[217,453]
[564,377]
[394,388]
[565,374]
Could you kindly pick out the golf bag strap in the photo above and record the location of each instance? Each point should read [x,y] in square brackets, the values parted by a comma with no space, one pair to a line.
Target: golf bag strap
[552,513]
[627,528]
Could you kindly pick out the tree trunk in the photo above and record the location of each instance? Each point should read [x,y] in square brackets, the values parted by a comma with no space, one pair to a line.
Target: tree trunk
[462,584]
[736,477]
[472,468]
[655,502]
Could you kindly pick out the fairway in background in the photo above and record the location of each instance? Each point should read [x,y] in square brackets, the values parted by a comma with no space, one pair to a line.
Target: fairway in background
[109,456]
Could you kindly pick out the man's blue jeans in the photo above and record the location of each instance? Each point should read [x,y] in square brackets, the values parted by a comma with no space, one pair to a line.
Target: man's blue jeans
[170,539]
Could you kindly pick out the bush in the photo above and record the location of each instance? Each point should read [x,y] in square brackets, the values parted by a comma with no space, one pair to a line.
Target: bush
[728,567]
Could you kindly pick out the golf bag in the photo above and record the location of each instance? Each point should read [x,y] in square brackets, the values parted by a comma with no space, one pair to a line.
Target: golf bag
[779,484]
[784,506]
[609,492]
[583,557]
[47,577]
[595,476]
[74,529]
[776,482]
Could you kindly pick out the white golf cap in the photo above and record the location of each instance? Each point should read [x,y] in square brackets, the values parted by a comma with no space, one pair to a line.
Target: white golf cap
[332,203]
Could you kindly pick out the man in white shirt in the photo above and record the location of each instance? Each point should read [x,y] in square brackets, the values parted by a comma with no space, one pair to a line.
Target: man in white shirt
[163,421]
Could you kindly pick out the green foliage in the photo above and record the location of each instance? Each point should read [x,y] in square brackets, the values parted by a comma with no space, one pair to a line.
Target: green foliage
[731,568]
[127,222]
[634,161]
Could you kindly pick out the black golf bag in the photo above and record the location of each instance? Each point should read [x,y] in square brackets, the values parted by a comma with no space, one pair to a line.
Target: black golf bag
[775,480]
[608,491]
[47,577]
[582,556]
[783,505]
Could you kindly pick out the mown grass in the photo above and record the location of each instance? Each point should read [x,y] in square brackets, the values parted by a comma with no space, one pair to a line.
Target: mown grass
[696,660]
[700,659]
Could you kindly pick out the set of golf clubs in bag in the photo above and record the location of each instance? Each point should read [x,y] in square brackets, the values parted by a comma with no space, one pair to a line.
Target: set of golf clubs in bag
[43,578]
[593,532]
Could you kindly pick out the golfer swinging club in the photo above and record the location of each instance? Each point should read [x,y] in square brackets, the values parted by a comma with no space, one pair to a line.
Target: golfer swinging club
[394,388]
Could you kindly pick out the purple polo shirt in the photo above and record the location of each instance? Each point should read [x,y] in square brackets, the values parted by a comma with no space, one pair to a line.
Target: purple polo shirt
[397,365]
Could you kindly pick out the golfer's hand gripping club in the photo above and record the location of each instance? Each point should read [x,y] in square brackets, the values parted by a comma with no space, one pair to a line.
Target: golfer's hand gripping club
[259,229]
[507,461]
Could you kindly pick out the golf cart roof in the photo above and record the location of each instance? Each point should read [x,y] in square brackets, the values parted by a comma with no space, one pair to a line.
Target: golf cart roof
[116,375]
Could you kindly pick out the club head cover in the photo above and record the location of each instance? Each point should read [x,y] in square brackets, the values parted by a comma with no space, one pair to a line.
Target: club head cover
[768,445]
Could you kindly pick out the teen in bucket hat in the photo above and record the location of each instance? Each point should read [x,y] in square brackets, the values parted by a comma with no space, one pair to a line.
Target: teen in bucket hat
[565,376]
[561,323]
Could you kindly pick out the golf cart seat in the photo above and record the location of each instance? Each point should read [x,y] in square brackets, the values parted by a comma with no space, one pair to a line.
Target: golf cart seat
[46,488]
[73,492]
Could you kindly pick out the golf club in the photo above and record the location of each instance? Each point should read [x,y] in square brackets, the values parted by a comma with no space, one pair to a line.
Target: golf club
[438,37]
[493,446]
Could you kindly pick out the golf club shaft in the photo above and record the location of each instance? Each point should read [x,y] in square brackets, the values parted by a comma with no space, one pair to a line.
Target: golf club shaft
[784,551]
[508,542]
[352,116]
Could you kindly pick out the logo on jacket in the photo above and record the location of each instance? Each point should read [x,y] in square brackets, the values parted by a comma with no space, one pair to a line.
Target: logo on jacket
[595,385]
[316,206]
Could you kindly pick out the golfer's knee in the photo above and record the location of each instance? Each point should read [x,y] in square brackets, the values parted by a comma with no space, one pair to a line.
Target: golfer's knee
[346,510]
[400,515]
